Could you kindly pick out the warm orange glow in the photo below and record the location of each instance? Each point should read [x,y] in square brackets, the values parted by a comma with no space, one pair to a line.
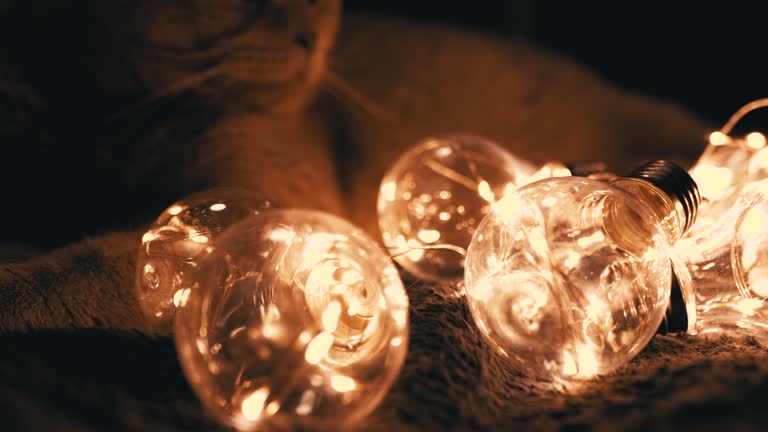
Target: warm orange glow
[342,383]
[484,189]
[218,207]
[253,405]
[318,348]
[399,317]
[761,158]
[712,180]
[596,309]
[413,248]
[353,306]
[331,315]
[180,297]
[756,140]
[548,202]
[596,237]
[754,222]
[718,138]
[509,188]
[202,239]
[584,365]
[388,191]
[429,236]
[748,306]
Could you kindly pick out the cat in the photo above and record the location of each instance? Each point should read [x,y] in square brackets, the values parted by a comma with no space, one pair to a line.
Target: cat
[282,97]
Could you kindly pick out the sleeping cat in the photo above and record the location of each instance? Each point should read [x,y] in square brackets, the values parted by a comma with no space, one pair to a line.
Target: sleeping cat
[118,108]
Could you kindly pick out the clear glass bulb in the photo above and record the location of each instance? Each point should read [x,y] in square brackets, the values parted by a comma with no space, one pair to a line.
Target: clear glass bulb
[723,271]
[727,164]
[432,199]
[166,266]
[570,277]
[722,171]
[299,320]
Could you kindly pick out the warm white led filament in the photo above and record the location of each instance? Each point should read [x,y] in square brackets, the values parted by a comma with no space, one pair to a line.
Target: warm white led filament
[570,277]
[726,165]
[433,198]
[299,320]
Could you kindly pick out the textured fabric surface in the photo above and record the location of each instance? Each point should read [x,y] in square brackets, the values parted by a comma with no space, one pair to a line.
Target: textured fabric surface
[98,380]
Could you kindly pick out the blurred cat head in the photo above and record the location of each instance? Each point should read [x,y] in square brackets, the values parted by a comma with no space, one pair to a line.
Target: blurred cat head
[271,54]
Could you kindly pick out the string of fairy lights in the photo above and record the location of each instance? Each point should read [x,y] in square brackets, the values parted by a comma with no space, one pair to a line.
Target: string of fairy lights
[296,317]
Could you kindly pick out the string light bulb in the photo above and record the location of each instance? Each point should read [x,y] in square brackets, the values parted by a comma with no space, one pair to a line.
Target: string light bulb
[166,266]
[299,320]
[722,272]
[570,277]
[726,165]
[432,199]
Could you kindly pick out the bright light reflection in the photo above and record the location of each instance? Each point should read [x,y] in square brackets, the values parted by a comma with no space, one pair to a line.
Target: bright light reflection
[180,297]
[584,365]
[756,140]
[388,191]
[253,405]
[331,315]
[484,189]
[318,348]
[711,180]
[353,307]
[342,383]
[587,241]
[718,138]
[748,306]
[429,236]
[754,222]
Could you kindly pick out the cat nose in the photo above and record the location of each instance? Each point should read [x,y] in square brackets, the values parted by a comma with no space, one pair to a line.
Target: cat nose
[306,40]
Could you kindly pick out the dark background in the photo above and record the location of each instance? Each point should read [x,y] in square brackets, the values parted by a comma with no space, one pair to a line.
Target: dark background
[709,57]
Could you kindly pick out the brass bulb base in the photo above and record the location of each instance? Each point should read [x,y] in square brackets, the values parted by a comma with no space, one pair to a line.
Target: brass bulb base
[676,183]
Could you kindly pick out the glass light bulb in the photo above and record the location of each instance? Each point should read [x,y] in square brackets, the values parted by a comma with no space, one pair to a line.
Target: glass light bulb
[432,199]
[726,165]
[166,265]
[722,171]
[570,277]
[723,271]
[299,320]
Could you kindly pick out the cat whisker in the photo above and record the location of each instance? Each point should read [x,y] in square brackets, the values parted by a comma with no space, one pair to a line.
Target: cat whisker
[339,88]
[177,87]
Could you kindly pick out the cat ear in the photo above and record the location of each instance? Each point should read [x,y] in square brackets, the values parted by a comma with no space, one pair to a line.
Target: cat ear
[18,103]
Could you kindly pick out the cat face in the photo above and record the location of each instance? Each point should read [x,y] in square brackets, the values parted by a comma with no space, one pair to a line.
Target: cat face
[270,53]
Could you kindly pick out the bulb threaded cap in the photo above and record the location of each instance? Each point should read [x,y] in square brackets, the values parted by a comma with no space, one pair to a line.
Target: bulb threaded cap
[674,181]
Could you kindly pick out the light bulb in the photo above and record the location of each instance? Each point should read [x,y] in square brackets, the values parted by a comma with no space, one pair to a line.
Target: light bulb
[299,320]
[726,165]
[570,277]
[722,272]
[166,266]
[432,199]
